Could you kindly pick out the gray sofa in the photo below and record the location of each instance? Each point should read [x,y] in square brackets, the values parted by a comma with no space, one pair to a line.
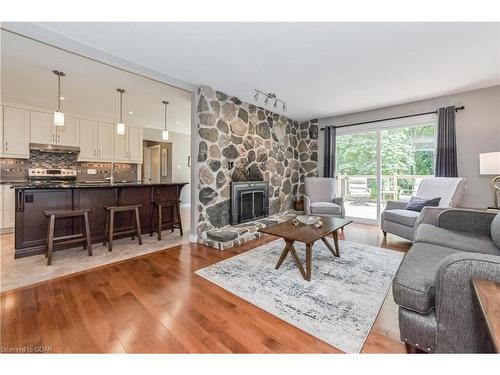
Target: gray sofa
[438,311]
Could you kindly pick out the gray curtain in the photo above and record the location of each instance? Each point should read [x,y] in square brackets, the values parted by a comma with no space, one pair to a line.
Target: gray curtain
[446,147]
[329,162]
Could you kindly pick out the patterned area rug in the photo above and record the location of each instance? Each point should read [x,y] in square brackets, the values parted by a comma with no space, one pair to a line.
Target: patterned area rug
[339,305]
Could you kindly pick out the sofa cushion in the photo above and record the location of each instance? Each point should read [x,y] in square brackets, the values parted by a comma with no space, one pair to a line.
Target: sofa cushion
[405,217]
[417,204]
[325,208]
[469,242]
[495,230]
[413,285]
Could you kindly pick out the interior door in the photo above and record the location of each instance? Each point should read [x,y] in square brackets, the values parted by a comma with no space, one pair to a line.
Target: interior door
[42,128]
[155,163]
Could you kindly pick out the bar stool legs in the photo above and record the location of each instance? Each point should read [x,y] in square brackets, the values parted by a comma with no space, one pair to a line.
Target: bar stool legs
[110,233]
[84,236]
[157,210]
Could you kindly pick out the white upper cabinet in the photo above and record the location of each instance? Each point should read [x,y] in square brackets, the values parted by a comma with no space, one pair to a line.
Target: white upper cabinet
[106,131]
[16,132]
[1,130]
[42,129]
[68,135]
[88,140]
[128,147]
[135,137]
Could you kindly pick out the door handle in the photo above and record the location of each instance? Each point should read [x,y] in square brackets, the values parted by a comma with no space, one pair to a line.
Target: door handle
[6,145]
[53,138]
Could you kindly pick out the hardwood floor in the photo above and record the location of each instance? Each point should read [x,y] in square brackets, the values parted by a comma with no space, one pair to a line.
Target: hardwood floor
[156,304]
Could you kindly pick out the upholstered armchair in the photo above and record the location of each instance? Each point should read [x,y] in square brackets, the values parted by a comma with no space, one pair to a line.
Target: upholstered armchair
[320,198]
[397,220]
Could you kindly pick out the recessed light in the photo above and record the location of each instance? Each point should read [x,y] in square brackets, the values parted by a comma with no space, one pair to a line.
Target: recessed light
[130,113]
[61,97]
[178,122]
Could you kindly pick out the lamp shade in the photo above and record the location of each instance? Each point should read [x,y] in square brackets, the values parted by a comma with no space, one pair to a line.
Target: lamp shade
[489,163]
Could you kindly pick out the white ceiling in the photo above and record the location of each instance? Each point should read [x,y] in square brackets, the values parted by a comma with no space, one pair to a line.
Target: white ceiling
[319,69]
[89,88]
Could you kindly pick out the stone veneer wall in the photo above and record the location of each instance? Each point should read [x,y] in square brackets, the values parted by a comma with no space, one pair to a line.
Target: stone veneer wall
[242,142]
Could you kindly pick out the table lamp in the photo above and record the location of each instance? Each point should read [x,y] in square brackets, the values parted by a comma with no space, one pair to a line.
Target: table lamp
[489,164]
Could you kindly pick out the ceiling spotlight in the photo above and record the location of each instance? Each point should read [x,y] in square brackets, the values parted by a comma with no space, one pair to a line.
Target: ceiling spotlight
[256,96]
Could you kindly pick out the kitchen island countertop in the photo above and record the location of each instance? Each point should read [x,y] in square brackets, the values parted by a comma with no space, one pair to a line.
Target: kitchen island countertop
[93,185]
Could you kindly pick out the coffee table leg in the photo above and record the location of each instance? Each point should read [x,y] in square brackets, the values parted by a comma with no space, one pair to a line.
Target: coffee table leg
[283,255]
[336,242]
[334,251]
[296,259]
[308,261]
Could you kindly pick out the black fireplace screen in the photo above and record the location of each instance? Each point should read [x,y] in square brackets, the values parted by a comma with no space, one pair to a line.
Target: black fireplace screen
[249,201]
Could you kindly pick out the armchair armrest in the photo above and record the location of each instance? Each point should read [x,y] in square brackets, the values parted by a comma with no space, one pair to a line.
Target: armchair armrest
[460,324]
[428,215]
[340,202]
[462,220]
[395,205]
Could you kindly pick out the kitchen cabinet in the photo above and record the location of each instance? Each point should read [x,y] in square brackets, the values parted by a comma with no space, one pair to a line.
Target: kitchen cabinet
[43,130]
[7,209]
[128,147]
[88,140]
[106,131]
[15,132]
[68,134]
[1,130]
[96,141]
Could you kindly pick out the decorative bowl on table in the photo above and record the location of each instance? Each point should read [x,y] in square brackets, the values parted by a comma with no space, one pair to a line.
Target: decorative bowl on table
[307,219]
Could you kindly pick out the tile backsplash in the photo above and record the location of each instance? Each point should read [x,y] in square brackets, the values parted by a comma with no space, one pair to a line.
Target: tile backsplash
[14,170]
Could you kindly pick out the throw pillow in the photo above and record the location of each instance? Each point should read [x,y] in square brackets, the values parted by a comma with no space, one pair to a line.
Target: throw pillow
[417,204]
[495,230]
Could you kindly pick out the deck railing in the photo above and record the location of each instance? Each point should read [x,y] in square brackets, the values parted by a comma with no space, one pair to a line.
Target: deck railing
[392,186]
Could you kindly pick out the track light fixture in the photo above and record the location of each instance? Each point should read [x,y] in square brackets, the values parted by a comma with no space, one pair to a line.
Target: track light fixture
[268,97]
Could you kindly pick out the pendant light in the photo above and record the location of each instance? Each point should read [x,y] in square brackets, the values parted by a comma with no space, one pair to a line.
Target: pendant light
[164,132]
[120,126]
[58,115]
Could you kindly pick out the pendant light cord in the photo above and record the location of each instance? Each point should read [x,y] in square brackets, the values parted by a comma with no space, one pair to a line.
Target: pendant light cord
[58,93]
[121,110]
[166,104]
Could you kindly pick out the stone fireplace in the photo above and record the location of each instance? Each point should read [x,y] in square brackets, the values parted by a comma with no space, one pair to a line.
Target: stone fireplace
[249,201]
[239,142]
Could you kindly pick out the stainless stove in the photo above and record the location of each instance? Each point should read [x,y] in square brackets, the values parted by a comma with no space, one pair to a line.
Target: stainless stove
[40,175]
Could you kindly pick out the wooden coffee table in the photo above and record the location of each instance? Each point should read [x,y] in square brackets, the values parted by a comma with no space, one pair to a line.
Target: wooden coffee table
[308,235]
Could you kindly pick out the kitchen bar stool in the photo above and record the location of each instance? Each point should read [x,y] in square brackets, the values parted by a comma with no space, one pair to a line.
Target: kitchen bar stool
[160,225]
[110,232]
[84,236]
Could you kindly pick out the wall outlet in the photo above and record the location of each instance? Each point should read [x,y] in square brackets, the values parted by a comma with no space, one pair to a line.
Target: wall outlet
[91,171]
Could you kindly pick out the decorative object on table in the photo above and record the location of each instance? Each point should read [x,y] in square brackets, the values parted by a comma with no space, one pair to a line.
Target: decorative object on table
[308,219]
[340,304]
[489,164]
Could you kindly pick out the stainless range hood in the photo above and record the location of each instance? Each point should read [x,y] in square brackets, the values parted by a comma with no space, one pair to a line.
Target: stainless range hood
[59,149]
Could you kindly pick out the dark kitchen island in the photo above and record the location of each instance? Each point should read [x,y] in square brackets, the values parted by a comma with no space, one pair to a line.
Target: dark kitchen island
[33,199]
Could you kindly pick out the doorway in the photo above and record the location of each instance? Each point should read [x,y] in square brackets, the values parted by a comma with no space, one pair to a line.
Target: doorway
[157,163]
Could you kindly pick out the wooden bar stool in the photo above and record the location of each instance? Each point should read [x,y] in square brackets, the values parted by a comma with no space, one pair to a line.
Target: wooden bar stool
[160,225]
[110,231]
[84,236]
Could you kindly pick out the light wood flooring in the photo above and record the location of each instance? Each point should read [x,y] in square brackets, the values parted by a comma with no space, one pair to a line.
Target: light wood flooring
[155,303]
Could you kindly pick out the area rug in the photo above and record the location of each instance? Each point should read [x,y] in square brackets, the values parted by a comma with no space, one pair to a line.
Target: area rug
[339,305]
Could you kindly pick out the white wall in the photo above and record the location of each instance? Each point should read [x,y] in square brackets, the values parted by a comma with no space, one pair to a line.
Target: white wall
[181,149]
[478,131]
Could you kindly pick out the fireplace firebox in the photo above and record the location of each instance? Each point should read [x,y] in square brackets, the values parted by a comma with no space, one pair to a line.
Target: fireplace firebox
[249,201]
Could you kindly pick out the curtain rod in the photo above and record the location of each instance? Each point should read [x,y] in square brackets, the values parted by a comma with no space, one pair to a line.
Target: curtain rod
[387,119]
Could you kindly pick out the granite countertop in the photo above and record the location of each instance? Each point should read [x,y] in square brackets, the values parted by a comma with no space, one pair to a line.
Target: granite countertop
[92,185]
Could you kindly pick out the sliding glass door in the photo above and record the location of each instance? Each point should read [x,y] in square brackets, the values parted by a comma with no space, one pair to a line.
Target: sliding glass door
[386,162]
